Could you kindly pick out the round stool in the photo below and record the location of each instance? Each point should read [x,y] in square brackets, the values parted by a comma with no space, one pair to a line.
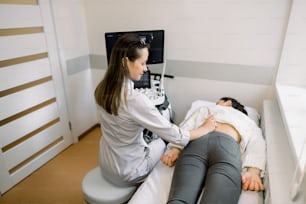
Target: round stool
[97,190]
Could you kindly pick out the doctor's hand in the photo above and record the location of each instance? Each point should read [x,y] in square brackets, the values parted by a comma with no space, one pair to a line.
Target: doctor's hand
[206,127]
[210,123]
[251,180]
[170,157]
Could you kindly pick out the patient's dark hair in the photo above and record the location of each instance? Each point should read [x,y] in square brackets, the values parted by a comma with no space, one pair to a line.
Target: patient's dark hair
[235,104]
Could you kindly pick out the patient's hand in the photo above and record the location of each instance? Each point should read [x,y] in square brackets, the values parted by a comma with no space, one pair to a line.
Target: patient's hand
[171,156]
[251,180]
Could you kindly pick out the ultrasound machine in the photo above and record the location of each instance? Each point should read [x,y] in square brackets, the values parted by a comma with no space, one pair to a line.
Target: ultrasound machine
[151,84]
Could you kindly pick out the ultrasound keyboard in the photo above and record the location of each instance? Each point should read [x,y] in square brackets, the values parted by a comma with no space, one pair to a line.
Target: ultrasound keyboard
[151,87]
[154,93]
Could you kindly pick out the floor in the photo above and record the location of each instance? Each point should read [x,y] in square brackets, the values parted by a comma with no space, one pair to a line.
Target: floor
[59,181]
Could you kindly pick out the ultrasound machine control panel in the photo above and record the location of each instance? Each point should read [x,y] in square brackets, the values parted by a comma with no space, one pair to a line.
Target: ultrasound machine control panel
[150,86]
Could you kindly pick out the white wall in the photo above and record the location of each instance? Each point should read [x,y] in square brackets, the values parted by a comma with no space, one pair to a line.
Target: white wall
[223,31]
[291,88]
[181,96]
[248,33]
[73,43]
[292,69]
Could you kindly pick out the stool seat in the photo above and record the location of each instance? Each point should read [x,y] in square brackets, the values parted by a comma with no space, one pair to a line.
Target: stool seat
[97,190]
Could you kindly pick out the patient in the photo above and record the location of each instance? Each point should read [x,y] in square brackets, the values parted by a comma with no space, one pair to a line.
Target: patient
[216,160]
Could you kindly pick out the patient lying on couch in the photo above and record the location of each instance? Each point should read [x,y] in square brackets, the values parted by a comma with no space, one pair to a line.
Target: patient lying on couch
[156,187]
[229,158]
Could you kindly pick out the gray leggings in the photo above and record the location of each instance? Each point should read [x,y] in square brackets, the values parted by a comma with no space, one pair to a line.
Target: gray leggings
[212,161]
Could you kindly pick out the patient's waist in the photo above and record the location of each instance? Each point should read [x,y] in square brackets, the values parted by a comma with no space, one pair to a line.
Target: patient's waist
[228,130]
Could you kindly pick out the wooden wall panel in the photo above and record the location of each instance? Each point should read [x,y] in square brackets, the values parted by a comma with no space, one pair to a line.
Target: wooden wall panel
[27,124]
[37,161]
[34,124]
[27,72]
[17,16]
[26,99]
[22,45]
[27,2]
[26,149]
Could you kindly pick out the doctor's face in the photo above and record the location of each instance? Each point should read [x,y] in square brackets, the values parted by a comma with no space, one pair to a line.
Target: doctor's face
[139,66]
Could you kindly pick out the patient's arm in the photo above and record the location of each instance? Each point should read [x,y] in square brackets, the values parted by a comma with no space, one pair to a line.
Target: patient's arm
[251,180]
[170,157]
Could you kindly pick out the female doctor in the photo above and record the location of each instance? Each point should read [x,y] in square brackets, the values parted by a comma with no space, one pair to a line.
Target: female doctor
[125,157]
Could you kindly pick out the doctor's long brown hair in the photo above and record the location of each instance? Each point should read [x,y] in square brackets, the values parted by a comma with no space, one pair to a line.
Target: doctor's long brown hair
[108,91]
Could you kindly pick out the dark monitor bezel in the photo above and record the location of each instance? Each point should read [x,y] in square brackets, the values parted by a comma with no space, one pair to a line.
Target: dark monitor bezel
[156,51]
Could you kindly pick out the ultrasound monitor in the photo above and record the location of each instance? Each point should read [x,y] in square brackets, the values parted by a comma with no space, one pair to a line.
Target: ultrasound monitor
[153,37]
[156,51]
